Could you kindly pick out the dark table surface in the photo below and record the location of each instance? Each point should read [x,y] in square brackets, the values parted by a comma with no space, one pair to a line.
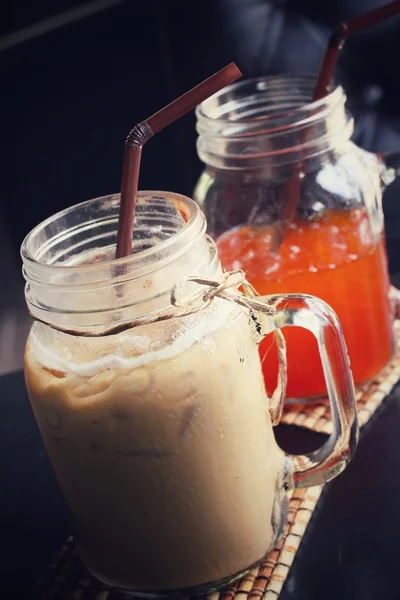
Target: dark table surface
[351,549]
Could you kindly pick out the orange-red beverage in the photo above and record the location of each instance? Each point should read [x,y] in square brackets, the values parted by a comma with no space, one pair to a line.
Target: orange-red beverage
[335,257]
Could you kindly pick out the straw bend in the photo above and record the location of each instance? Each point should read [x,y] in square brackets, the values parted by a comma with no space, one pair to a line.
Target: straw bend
[339,37]
[139,135]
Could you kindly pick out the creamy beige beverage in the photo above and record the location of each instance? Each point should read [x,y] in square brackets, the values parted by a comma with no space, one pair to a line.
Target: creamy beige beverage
[166,457]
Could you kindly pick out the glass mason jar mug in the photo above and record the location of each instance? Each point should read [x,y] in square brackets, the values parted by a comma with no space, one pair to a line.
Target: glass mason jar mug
[296,205]
[155,415]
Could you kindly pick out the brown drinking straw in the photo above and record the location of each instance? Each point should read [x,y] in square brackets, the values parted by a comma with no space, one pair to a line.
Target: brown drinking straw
[143,132]
[340,35]
[292,188]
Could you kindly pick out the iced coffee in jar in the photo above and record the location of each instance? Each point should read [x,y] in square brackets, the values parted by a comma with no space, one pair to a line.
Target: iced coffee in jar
[146,383]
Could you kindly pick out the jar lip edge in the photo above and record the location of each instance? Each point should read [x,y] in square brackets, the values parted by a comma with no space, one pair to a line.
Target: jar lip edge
[27,256]
[283,78]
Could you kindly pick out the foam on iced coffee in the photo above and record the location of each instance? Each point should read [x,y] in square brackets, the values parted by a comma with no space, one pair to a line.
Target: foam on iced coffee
[134,348]
[87,356]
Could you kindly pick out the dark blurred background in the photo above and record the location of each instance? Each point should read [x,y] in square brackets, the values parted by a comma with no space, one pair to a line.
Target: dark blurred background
[76,76]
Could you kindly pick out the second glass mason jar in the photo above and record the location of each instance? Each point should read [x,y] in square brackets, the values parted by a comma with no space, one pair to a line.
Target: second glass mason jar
[296,205]
[155,415]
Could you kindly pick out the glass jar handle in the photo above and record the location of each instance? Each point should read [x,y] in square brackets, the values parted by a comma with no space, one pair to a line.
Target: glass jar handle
[316,316]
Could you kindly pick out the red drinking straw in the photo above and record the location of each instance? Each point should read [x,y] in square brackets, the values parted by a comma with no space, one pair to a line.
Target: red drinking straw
[143,132]
[340,35]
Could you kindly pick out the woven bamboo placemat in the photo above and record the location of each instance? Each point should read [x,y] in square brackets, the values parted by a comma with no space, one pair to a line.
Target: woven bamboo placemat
[316,415]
